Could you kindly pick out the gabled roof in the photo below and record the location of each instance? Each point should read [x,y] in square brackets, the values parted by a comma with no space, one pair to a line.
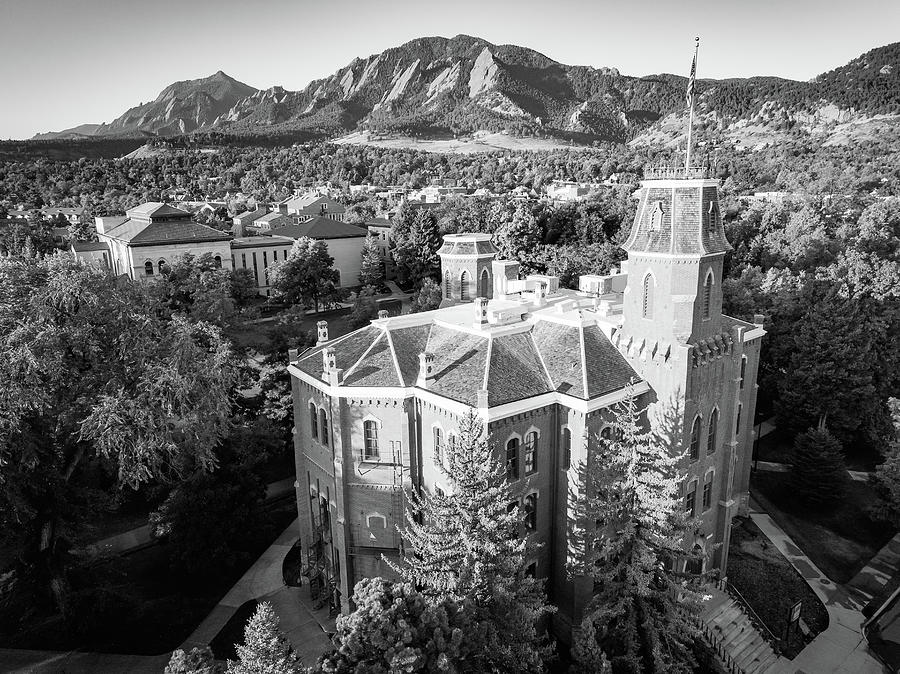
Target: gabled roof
[88,246]
[311,203]
[321,228]
[260,241]
[154,209]
[250,216]
[144,231]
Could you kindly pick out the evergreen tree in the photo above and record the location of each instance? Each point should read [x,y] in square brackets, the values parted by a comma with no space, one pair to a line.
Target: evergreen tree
[308,276]
[887,474]
[818,473]
[427,297]
[628,528]
[365,308]
[416,239]
[458,546]
[265,649]
[371,270]
[397,629]
[197,661]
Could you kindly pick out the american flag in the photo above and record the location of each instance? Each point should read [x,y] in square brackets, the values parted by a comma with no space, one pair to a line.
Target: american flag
[690,86]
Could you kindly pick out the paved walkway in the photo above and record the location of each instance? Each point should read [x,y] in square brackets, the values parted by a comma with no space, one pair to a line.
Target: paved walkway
[878,572]
[841,647]
[773,467]
[305,626]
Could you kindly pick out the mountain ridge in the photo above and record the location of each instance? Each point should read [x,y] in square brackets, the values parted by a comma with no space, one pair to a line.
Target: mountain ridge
[437,86]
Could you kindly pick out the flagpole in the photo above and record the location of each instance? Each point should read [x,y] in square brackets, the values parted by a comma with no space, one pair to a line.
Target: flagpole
[687,158]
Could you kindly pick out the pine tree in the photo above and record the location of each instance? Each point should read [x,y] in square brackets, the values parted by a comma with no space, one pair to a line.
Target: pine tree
[628,527]
[887,474]
[196,661]
[818,473]
[308,276]
[459,546]
[427,297]
[371,270]
[265,649]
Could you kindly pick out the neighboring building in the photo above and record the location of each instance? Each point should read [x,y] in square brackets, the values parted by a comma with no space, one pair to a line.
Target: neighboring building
[72,215]
[380,228]
[93,252]
[269,221]
[312,205]
[243,220]
[345,243]
[542,366]
[149,236]
[258,253]
[566,190]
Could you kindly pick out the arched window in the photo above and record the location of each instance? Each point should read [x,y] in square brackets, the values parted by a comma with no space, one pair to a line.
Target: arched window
[512,459]
[707,294]
[448,285]
[695,440]
[531,441]
[464,293]
[438,445]
[484,285]
[313,421]
[148,268]
[647,303]
[323,426]
[743,370]
[370,438]
[606,434]
[694,565]
[656,219]
[711,436]
[567,448]
[707,490]
[514,528]
[376,521]
[162,263]
[530,508]
[218,259]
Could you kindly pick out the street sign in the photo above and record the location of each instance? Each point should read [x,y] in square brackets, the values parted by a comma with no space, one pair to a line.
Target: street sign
[795,612]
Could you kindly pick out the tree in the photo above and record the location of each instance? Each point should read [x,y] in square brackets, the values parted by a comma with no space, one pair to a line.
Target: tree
[196,286]
[397,629]
[818,473]
[243,288]
[197,661]
[628,528]
[365,307]
[265,649]
[371,271]
[887,474]
[82,230]
[308,276]
[416,240]
[459,547]
[91,372]
[427,297]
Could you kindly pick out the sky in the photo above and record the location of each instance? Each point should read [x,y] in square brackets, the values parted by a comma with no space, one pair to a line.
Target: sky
[67,62]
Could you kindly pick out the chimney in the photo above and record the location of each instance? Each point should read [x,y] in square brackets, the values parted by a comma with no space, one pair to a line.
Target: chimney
[481,318]
[504,271]
[426,369]
[540,295]
[330,371]
[382,314]
[482,403]
[292,355]
[759,319]
[322,328]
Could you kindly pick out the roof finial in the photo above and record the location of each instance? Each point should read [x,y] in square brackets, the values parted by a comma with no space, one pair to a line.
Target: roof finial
[690,103]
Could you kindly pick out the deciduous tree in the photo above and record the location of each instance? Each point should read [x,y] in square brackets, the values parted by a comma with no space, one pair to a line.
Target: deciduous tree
[308,276]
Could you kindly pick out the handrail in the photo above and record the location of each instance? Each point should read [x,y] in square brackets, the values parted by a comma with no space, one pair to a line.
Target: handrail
[675,172]
[774,641]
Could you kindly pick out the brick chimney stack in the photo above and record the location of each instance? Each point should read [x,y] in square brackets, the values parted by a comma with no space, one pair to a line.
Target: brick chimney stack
[322,329]
[382,314]
[330,371]
[426,369]
[481,318]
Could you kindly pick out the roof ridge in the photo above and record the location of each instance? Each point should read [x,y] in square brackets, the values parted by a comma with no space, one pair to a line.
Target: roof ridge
[487,362]
[364,353]
[541,358]
[330,342]
[396,361]
[584,377]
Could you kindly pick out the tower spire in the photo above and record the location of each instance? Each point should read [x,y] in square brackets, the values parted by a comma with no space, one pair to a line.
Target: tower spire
[690,102]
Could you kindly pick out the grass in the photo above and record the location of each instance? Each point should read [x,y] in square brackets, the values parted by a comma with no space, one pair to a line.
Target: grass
[136,603]
[770,584]
[839,540]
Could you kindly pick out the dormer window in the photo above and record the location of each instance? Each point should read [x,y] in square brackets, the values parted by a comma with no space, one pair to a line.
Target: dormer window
[713,213]
[656,219]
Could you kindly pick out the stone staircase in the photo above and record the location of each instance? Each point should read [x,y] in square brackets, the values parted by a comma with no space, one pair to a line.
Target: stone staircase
[739,645]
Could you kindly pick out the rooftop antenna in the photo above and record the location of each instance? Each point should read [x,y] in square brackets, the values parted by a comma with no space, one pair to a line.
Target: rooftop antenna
[690,102]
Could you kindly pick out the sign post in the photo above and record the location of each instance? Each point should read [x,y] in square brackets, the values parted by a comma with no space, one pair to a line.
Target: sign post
[793,619]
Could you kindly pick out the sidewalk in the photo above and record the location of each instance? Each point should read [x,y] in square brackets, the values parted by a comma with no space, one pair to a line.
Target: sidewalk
[841,647]
[773,467]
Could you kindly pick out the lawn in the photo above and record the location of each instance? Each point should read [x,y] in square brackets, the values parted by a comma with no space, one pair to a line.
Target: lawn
[135,603]
[839,540]
[770,584]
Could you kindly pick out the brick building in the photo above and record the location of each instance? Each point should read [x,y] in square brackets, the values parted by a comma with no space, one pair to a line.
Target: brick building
[542,366]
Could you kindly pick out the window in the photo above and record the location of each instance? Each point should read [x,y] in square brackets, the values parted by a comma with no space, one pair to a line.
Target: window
[323,423]
[690,499]
[530,508]
[161,264]
[370,436]
[255,269]
[656,219]
[448,285]
[743,370]
[243,260]
[376,521]
[484,288]
[737,423]
[464,287]
[647,304]
[531,570]
[438,445]
[567,448]
[711,436]
[531,452]
[218,259]
[694,563]
[606,434]
[313,421]
[514,528]
[707,491]
[707,294]
[265,260]
[512,459]
[148,268]
[695,440]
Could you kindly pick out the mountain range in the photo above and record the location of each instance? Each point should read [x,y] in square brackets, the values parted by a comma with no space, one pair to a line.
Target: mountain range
[438,86]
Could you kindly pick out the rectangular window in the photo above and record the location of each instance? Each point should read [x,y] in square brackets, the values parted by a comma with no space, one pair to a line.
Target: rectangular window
[531,453]
[512,459]
[265,260]
[567,448]
[255,268]
[243,260]
[370,433]
[707,492]
[690,499]
[530,512]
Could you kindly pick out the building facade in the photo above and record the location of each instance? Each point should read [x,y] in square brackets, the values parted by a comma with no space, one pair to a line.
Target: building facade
[258,253]
[543,367]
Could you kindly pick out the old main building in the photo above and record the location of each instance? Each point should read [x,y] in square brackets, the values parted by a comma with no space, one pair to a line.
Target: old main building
[542,366]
